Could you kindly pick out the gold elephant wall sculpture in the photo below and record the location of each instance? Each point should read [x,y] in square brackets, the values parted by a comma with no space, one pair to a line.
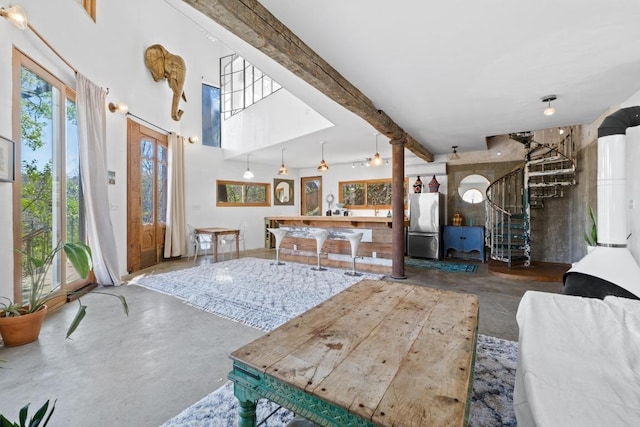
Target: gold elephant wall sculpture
[163,64]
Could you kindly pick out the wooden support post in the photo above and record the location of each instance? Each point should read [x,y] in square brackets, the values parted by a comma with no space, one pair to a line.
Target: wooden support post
[397,205]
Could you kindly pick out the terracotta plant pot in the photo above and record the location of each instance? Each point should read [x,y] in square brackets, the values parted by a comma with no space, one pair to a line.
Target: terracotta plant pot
[23,329]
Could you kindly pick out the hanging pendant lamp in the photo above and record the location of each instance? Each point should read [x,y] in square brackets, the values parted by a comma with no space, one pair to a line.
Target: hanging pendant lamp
[323,165]
[549,111]
[283,169]
[248,174]
[376,160]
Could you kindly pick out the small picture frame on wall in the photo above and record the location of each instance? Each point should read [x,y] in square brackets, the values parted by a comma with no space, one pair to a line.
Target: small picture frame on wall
[111,177]
[7,160]
[283,192]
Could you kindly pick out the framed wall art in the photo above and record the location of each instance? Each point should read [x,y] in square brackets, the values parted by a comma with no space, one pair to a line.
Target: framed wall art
[7,160]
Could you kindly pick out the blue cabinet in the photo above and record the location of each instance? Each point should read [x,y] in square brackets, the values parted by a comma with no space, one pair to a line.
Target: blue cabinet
[463,239]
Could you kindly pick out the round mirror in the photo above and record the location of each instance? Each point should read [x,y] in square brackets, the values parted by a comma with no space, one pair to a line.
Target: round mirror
[283,192]
[473,188]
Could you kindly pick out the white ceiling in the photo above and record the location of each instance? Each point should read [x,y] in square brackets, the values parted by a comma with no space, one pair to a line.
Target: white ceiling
[453,73]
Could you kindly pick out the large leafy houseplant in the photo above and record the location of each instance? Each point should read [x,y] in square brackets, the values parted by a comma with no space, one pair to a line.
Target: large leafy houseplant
[39,417]
[79,255]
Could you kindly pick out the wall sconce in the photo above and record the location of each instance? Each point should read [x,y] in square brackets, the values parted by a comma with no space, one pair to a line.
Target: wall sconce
[16,15]
[549,111]
[120,107]
[193,139]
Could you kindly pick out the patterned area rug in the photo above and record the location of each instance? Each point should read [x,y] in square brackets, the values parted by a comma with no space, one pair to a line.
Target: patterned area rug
[258,294]
[452,267]
[491,404]
[251,290]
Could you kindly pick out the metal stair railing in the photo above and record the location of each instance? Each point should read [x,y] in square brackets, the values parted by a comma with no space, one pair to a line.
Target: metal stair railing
[506,222]
[546,172]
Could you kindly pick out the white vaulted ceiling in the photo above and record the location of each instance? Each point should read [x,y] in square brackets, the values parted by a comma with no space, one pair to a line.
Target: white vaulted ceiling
[456,72]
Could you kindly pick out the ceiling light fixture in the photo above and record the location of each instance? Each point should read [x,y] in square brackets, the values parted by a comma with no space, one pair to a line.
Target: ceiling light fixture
[323,165]
[377,160]
[120,107]
[454,155]
[248,174]
[283,169]
[16,15]
[549,111]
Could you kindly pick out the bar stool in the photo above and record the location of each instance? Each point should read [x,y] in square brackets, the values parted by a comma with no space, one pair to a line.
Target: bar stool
[321,236]
[279,234]
[354,239]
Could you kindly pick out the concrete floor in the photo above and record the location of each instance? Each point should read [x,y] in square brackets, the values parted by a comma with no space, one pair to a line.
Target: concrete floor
[143,369]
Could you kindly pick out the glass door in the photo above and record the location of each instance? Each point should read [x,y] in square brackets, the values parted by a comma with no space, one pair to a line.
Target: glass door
[48,185]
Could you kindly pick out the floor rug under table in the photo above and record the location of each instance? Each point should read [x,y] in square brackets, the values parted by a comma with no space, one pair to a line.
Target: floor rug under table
[491,404]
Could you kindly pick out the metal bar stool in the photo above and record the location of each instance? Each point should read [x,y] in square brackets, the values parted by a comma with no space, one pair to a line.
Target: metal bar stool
[354,239]
[279,234]
[321,236]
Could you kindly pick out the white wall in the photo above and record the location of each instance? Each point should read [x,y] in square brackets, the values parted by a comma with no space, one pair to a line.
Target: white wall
[278,118]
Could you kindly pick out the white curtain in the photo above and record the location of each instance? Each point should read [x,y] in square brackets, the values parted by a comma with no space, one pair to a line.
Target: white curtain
[93,171]
[175,234]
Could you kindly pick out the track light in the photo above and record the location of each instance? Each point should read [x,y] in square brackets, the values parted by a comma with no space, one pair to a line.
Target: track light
[549,111]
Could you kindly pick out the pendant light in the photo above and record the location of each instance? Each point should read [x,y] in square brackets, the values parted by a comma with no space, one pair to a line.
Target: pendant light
[549,111]
[283,169]
[323,165]
[248,174]
[454,155]
[377,160]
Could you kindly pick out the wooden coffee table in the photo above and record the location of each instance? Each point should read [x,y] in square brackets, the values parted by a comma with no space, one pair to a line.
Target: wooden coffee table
[377,354]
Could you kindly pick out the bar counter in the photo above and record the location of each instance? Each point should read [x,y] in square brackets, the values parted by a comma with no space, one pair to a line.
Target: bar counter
[374,251]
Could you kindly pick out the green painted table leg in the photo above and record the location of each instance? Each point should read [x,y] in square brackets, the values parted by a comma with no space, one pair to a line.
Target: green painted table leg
[247,413]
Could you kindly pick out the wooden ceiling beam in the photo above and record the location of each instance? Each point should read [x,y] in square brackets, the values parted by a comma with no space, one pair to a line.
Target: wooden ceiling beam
[254,24]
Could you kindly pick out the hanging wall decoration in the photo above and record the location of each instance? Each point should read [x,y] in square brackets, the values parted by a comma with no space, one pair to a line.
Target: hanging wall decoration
[417,186]
[163,64]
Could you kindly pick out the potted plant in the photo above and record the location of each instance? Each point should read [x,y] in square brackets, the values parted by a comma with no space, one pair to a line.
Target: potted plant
[591,238]
[40,416]
[20,323]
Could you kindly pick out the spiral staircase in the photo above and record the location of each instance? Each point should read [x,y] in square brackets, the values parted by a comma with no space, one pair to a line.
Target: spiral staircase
[547,172]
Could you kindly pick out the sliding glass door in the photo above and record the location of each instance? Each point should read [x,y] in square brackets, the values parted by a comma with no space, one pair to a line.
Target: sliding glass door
[48,196]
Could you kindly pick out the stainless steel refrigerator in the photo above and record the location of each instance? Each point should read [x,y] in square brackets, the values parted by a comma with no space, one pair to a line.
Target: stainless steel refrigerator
[426,216]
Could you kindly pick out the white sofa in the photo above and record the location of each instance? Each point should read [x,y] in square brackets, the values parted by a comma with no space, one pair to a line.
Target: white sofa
[578,361]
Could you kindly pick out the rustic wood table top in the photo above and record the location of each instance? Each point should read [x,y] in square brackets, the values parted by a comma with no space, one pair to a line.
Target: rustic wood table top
[389,353]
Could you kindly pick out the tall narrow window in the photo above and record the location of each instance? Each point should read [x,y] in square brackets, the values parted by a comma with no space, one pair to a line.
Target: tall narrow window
[48,185]
[211,116]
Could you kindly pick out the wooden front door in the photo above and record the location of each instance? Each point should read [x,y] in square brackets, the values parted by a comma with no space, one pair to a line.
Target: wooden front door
[146,196]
